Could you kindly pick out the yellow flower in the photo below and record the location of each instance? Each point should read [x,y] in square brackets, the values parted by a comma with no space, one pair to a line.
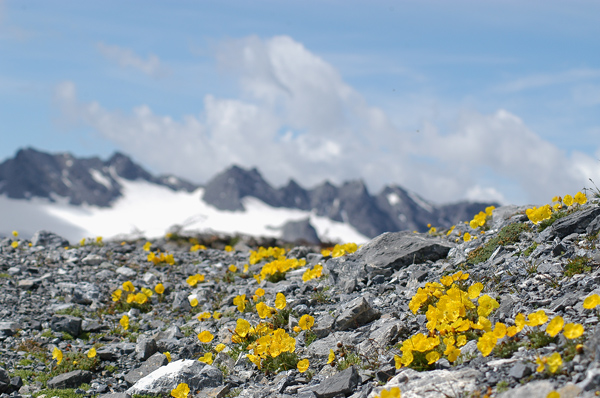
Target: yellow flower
[499,330]
[475,290]
[306,322]
[159,288]
[116,296]
[181,391]
[205,336]
[555,326]
[204,315]
[15,244]
[432,357]
[554,362]
[217,315]
[207,358]
[98,239]
[573,330]
[194,302]
[82,242]
[486,343]
[568,200]
[331,357]
[220,347]
[141,298]
[280,301]
[124,322]
[467,237]
[486,305]
[326,252]
[537,318]
[302,365]
[259,292]
[58,355]
[168,355]
[397,361]
[394,392]
[453,354]
[264,311]
[240,302]
[147,246]
[232,268]
[15,233]
[591,302]
[147,292]
[228,248]
[520,322]
[255,359]
[128,287]
[91,353]
[130,298]
[242,327]
[193,280]
[553,394]
[580,198]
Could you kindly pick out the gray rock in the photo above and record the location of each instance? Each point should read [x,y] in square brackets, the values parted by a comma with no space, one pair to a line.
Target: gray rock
[115,395]
[68,324]
[383,334]
[432,384]
[591,381]
[126,272]
[593,227]
[181,302]
[154,362]
[145,347]
[300,231]
[92,259]
[172,332]
[9,328]
[71,379]
[356,313]
[575,223]
[4,380]
[196,374]
[150,278]
[536,389]
[519,370]
[49,239]
[324,326]
[385,254]
[342,383]
[319,349]
[85,293]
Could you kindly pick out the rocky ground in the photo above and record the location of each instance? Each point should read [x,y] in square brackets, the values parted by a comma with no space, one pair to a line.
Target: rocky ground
[60,297]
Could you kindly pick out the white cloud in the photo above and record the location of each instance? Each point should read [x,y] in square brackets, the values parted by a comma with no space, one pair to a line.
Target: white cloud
[549,79]
[126,58]
[296,117]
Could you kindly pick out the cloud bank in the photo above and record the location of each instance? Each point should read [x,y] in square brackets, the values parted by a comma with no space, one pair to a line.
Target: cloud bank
[126,58]
[296,117]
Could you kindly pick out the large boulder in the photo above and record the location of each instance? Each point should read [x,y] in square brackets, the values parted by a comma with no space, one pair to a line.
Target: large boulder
[162,381]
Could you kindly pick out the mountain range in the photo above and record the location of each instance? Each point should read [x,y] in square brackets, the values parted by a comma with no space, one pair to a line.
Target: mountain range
[82,192]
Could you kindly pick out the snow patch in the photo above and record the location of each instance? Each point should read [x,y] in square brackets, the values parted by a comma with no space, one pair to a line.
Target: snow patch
[420,201]
[149,210]
[100,178]
[393,198]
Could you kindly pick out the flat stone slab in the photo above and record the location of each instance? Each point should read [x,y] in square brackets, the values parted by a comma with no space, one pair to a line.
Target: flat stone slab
[70,380]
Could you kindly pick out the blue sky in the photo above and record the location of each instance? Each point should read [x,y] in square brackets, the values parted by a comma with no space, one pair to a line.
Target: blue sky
[466,99]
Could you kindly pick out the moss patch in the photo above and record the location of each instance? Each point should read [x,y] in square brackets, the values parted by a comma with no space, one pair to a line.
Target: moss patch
[506,236]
